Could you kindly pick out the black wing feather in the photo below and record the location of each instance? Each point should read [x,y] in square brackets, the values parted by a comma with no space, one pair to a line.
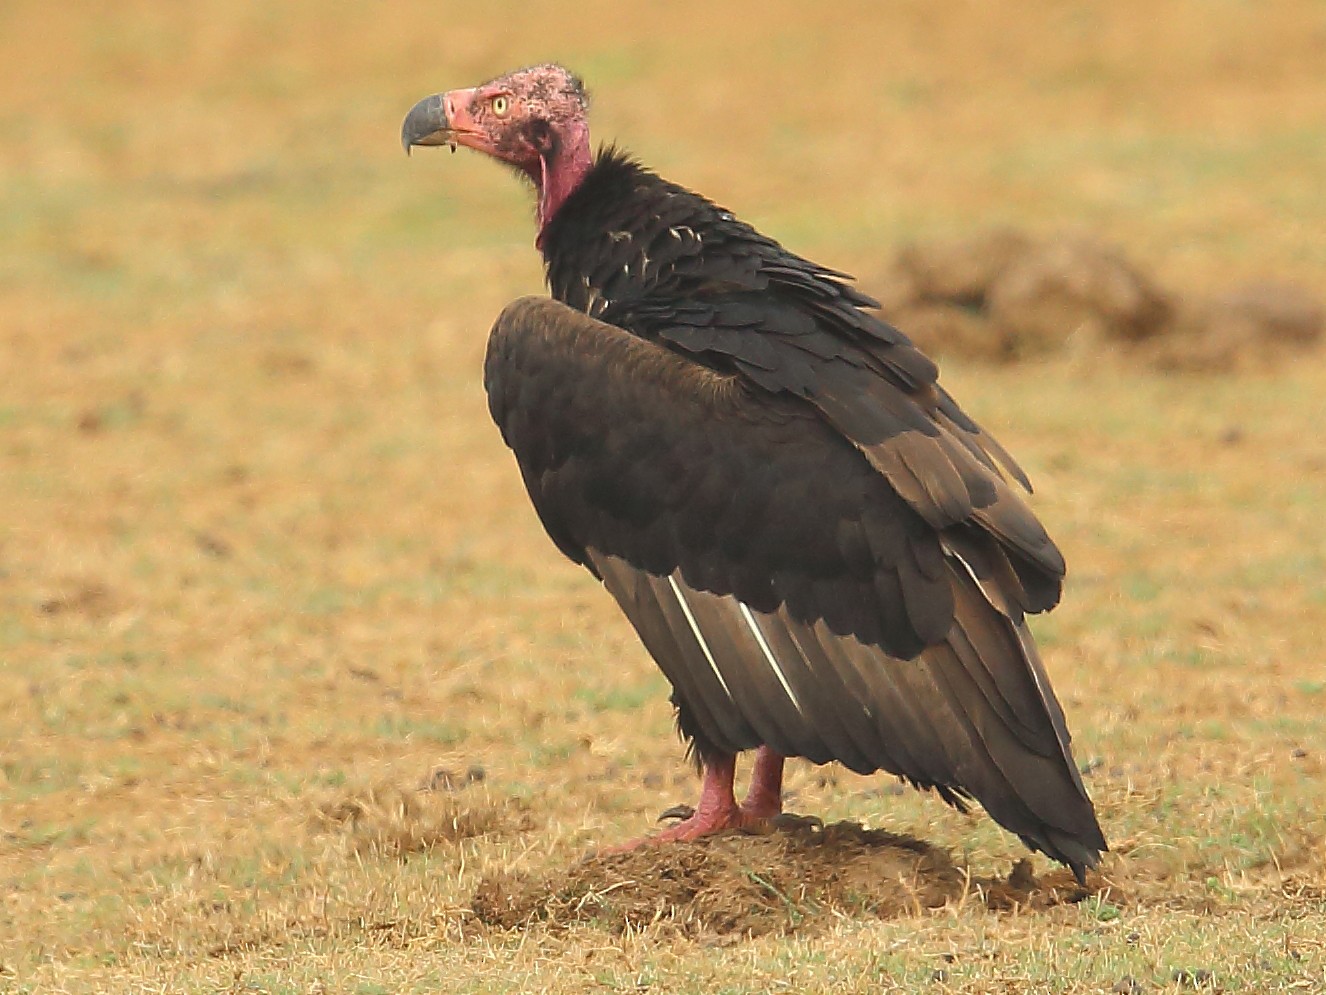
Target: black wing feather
[750,439]
[789,594]
[743,494]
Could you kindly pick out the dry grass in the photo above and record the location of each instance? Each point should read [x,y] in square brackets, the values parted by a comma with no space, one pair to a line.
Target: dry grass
[266,567]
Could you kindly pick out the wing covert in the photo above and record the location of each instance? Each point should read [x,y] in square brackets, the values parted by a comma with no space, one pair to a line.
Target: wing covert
[635,451]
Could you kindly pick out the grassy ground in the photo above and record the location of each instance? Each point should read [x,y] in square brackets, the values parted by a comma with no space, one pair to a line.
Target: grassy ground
[265,567]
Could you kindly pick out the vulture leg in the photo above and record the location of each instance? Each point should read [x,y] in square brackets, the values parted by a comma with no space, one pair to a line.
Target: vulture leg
[764,797]
[718,808]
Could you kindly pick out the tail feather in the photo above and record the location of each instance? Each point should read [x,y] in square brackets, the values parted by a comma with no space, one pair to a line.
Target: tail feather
[973,716]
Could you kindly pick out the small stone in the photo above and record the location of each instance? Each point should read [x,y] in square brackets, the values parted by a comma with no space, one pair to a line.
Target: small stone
[1128,985]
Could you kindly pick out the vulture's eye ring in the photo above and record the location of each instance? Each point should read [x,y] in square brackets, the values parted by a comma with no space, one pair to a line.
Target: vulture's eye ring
[501,105]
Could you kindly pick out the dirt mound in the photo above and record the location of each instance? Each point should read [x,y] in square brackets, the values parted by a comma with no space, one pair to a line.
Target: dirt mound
[943,329]
[795,876]
[1074,287]
[1003,295]
[961,271]
[1251,327]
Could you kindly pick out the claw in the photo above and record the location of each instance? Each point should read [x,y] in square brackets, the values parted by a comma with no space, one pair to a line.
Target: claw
[678,812]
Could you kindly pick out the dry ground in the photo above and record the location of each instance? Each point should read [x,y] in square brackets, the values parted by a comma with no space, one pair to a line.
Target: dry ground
[297,697]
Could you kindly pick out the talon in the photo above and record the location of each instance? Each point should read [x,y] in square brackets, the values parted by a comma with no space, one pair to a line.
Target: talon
[678,812]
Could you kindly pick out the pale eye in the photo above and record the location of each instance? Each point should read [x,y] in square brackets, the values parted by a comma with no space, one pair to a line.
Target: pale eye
[501,105]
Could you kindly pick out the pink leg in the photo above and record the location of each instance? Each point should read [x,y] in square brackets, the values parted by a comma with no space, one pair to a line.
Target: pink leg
[764,797]
[718,809]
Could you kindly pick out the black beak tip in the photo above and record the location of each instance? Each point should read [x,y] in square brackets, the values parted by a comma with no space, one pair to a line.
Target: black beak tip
[426,118]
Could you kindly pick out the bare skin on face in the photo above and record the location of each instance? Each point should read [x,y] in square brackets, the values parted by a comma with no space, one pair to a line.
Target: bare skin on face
[534,120]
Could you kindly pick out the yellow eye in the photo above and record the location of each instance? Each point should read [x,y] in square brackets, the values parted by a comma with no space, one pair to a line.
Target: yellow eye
[501,105]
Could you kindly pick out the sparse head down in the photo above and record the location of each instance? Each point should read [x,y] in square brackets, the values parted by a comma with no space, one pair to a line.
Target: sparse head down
[532,119]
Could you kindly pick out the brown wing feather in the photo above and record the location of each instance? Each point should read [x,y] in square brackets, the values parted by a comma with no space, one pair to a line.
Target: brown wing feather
[634,451]
[971,716]
[948,474]
[789,593]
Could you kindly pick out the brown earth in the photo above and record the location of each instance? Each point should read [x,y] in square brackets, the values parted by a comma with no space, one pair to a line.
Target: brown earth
[1004,295]
[386,820]
[799,875]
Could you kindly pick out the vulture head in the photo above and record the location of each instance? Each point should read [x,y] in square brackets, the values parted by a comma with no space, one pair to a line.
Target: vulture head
[534,120]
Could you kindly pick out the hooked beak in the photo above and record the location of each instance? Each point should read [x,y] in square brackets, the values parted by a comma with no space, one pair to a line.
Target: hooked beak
[442,119]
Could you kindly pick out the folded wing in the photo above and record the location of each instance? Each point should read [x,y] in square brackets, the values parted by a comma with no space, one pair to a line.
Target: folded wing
[792,596]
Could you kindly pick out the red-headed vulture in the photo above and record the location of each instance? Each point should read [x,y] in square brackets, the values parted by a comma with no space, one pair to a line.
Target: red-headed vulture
[824,554]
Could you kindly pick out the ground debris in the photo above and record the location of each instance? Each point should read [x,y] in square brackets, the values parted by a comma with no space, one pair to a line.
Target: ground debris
[1199,978]
[80,596]
[1255,326]
[389,820]
[1075,287]
[961,271]
[1024,890]
[446,779]
[1004,295]
[795,876]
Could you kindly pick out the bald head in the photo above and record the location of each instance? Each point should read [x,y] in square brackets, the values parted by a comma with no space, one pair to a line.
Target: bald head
[532,119]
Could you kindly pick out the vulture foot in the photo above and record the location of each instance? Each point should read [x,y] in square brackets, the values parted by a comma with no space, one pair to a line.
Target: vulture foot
[718,809]
[699,823]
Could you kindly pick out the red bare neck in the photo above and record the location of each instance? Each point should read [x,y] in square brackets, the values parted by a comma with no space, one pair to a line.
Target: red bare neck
[562,173]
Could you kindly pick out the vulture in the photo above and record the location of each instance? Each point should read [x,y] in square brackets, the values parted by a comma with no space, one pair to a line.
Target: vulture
[824,554]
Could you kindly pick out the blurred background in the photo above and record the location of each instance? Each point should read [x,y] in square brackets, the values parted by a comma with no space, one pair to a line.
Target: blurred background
[258,538]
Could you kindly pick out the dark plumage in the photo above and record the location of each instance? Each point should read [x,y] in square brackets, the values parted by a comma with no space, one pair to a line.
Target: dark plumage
[814,542]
